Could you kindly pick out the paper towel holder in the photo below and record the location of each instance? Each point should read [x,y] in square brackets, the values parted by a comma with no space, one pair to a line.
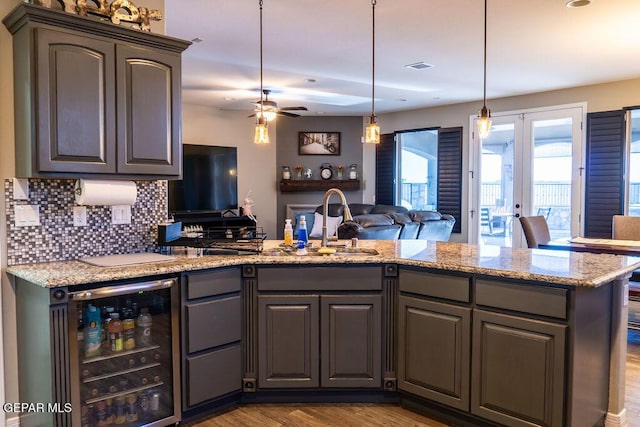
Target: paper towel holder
[83,197]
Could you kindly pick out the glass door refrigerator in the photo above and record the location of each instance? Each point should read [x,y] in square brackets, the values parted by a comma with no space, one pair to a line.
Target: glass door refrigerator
[123,343]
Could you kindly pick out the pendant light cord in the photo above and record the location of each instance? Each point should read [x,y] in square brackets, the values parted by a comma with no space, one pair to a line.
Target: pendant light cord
[261,90]
[373,58]
[484,96]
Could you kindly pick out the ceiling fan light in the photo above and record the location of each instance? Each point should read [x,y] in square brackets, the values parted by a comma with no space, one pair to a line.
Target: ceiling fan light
[484,122]
[372,132]
[268,115]
[261,135]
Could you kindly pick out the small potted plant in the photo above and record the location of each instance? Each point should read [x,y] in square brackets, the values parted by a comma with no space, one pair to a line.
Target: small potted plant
[340,169]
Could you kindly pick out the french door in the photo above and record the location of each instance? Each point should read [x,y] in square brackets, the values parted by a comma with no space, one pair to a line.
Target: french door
[530,164]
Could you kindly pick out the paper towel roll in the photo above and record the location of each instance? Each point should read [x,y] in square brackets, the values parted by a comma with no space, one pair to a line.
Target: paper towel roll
[105,193]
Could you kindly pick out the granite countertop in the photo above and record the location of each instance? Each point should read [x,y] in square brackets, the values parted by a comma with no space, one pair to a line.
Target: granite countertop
[537,265]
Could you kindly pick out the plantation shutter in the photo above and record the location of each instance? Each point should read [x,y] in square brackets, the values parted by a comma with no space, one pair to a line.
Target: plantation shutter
[604,189]
[386,170]
[450,174]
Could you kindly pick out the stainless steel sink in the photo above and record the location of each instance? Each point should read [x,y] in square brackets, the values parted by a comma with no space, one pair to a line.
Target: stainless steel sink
[314,252]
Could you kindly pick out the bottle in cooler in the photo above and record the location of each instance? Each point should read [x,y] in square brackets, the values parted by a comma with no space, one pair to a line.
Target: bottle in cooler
[92,332]
[115,332]
[143,326]
[128,330]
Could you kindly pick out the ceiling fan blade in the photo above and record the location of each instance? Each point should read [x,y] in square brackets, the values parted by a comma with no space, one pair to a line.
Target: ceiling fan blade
[284,113]
[294,108]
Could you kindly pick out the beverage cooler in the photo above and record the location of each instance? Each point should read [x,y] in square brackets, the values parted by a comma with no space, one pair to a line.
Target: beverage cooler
[123,354]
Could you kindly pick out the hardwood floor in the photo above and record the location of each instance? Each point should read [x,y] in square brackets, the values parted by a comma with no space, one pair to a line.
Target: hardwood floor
[355,415]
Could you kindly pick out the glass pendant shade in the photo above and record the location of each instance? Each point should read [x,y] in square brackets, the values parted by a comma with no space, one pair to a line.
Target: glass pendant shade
[484,122]
[262,132]
[372,132]
[268,115]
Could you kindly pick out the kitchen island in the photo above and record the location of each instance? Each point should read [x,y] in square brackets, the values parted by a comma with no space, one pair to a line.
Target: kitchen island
[518,336]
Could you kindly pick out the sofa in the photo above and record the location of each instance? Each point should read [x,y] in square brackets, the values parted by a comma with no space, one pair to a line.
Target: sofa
[385,222]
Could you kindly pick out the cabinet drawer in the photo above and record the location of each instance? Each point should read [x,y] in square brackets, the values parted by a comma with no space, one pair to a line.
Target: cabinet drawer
[213,374]
[435,285]
[541,300]
[332,278]
[210,283]
[213,323]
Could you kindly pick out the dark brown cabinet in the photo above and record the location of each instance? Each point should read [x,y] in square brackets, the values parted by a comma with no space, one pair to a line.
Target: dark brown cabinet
[288,341]
[518,367]
[94,99]
[498,352]
[324,331]
[351,349]
[434,351]
[308,341]
[75,105]
[211,335]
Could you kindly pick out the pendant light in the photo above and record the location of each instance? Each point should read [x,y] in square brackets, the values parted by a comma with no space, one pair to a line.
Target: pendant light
[484,115]
[261,135]
[372,131]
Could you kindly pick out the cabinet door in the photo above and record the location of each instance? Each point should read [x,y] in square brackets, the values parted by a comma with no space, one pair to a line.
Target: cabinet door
[75,104]
[288,340]
[148,111]
[351,330]
[434,351]
[518,370]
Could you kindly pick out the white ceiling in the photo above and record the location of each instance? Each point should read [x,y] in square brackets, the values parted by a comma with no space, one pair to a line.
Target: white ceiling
[533,46]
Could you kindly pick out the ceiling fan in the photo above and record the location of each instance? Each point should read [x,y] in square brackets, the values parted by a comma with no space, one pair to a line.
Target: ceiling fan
[271,109]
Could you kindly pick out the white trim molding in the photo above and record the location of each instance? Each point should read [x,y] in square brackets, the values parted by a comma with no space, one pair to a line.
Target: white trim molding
[616,420]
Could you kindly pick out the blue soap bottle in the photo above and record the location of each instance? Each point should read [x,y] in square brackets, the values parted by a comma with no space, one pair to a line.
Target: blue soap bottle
[303,237]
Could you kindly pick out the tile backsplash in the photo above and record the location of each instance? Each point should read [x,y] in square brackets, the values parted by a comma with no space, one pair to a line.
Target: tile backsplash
[57,239]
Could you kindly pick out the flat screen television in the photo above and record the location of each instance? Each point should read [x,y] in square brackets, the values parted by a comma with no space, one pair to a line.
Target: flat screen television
[209,180]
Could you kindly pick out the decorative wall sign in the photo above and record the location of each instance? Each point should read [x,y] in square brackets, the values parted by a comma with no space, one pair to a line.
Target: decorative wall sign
[319,143]
[117,11]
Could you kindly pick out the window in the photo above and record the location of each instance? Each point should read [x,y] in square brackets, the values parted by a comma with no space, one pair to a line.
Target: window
[422,170]
[633,200]
[418,170]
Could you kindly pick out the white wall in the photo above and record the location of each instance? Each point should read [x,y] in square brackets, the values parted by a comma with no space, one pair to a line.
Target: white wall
[257,169]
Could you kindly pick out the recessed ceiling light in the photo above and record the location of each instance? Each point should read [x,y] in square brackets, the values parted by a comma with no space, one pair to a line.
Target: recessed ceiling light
[228,98]
[578,3]
[419,66]
[196,40]
[311,80]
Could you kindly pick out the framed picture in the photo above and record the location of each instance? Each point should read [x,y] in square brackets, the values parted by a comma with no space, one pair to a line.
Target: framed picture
[319,143]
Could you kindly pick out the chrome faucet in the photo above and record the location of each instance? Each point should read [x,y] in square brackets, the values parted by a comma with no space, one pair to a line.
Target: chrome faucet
[325,207]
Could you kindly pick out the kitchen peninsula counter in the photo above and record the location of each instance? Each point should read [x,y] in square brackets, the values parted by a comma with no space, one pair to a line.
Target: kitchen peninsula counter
[542,266]
[479,314]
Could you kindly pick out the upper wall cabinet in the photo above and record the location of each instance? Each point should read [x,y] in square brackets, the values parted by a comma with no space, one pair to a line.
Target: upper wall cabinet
[94,99]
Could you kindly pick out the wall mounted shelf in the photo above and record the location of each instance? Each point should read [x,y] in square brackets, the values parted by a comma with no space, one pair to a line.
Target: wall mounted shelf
[290,185]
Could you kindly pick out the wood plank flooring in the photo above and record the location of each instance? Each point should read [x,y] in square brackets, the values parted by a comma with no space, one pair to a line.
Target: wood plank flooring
[356,415]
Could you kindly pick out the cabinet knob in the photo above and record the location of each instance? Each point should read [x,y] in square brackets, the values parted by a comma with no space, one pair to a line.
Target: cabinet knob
[58,295]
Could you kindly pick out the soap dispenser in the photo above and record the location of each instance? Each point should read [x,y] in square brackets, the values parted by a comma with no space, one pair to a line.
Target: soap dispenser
[288,232]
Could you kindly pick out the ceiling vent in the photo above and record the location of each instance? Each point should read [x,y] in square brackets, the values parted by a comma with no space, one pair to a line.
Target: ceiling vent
[419,66]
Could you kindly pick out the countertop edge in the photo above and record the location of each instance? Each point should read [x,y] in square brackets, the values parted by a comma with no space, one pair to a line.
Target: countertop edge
[87,274]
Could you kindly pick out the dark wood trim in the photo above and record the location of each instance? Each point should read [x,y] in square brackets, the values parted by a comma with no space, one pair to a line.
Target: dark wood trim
[290,185]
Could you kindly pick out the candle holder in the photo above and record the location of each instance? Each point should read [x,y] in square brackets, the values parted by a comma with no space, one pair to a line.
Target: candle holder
[286,172]
[353,171]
